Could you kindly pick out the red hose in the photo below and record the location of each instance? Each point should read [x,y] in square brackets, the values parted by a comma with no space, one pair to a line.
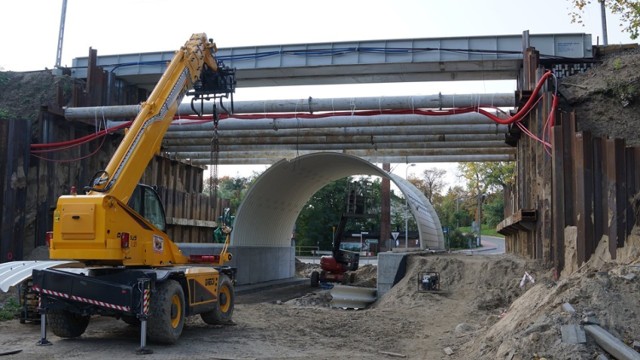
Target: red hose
[81,140]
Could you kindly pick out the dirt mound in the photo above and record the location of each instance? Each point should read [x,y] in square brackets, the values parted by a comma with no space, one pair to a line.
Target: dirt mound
[304,270]
[606,97]
[492,282]
[532,324]
[22,94]
[366,276]
[316,299]
[603,291]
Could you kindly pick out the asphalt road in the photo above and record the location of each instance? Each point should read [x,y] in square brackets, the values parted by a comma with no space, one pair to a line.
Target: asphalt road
[491,245]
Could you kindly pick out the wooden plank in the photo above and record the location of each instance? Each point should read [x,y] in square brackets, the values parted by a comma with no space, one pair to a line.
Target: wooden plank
[544,170]
[179,203]
[200,180]
[631,161]
[584,192]
[568,133]
[186,205]
[621,191]
[558,209]
[615,203]
[600,221]
[14,195]
[588,196]
[203,204]
[179,176]
[164,173]
[171,209]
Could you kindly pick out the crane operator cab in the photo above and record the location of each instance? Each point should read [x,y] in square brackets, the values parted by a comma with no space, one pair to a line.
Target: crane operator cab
[146,202]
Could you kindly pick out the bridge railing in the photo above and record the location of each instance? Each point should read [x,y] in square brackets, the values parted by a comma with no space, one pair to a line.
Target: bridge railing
[308,251]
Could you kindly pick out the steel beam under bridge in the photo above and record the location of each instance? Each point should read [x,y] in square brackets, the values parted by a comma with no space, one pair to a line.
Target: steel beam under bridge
[376,61]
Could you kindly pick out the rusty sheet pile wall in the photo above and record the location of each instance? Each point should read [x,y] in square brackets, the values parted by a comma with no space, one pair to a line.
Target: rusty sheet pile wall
[594,180]
[583,181]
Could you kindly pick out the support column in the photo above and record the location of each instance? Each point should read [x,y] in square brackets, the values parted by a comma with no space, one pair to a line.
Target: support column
[385,211]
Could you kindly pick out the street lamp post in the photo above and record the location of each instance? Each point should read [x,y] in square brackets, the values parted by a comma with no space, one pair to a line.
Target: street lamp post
[480,201]
[361,234]
[457,211]
[406,209]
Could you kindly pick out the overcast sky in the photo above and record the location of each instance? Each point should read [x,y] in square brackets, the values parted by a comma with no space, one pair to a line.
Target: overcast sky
[29,29]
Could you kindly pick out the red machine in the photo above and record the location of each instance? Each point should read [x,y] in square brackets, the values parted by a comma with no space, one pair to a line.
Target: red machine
[340,265]
[336,268]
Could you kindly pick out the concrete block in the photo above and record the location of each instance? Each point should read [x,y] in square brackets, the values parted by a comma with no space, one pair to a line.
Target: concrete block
[573,334]
[255,264]
[388,264]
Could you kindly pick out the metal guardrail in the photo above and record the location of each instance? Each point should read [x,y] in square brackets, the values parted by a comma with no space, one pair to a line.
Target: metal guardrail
[352,297]
[307,250]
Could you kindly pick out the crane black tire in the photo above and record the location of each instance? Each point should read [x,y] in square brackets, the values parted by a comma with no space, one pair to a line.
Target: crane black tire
[66,324]
[315,279]
[223,309]
[167,306]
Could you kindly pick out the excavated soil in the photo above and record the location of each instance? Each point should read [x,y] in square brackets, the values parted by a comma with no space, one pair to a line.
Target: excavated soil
[606,98]
[480,312]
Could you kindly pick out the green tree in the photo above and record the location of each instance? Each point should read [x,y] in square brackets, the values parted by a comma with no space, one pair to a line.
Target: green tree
[453,208]
[323,211]
[628,10]
[320,214]
[231,188]
[493,209]
[487,181]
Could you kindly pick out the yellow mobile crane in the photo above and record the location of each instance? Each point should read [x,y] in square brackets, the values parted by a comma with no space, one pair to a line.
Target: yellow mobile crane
[133,271]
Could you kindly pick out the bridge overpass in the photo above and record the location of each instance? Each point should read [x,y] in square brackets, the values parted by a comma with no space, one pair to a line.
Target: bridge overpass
[393,130]
[496,57]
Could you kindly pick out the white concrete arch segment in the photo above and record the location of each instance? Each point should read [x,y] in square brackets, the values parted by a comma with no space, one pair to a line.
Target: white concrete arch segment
[269,211]
[429,227]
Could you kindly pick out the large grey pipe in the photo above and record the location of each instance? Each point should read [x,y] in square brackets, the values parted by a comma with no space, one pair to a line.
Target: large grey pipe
[338,146]
[357,152]
[336,122]
[312,105]
[611,344]
[336,139]
[371,131]
[373,159]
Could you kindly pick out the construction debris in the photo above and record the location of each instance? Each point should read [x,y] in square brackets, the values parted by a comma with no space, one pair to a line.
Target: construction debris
[611,344]
[572,334]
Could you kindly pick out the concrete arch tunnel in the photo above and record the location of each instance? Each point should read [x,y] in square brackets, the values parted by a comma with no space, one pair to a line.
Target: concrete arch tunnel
[261,239]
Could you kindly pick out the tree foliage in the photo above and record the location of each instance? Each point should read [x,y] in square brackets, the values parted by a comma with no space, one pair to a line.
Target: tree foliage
[493,209]
[231,188]
[488,176]
[487,181]
[628,10]
[324,209]
[454,208]
[433,182]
